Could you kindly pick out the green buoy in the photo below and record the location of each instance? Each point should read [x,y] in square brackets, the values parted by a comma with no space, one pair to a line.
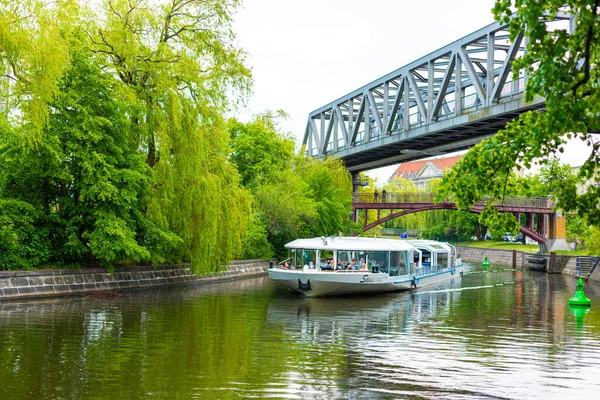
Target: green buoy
[485,264]
[579,299]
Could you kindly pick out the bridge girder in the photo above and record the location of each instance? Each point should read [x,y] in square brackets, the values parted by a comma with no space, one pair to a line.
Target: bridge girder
[446,101]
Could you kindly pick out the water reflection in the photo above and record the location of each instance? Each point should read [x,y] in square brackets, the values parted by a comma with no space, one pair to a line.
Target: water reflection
[504,334]
[500,334]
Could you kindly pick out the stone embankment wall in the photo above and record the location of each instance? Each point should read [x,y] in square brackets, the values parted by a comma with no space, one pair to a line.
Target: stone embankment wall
[61,282]
[564,264]
[495,256]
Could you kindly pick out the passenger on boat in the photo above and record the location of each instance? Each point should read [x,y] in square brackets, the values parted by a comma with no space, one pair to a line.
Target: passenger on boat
[328,266]
[364,267]
[352,265]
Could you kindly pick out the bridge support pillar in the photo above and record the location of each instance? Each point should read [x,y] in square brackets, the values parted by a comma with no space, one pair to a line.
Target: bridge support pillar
[541,225]
[356,184]
[529,221]
[557,233]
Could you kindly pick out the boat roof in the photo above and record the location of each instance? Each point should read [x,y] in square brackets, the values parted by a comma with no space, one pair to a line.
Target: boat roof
[350,243]
[430,245]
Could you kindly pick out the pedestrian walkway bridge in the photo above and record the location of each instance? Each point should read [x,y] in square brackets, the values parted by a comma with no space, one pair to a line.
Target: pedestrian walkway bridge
[446,101]
[537,216]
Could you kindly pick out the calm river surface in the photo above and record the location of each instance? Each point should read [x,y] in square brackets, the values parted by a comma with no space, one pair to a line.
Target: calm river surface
[500,334]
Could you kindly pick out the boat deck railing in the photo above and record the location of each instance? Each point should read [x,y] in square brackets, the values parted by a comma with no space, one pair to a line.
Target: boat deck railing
[425,270]
[414,271]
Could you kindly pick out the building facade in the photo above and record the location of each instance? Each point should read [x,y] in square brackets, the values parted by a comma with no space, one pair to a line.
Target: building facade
[422,171]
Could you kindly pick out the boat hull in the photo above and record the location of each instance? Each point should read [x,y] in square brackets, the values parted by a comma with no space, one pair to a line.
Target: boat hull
[315,283]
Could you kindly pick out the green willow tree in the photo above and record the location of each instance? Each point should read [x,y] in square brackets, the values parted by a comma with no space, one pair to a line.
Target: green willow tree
[410,221]
[35,41]
[562,69]
[174,66]
[177,62]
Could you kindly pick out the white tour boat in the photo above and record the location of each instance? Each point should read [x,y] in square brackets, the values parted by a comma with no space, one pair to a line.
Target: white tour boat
[329,266]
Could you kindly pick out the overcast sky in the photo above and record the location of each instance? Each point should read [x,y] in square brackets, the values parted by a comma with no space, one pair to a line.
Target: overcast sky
[305,54]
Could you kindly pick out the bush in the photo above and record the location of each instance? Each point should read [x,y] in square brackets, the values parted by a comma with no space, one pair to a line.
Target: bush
[24,244]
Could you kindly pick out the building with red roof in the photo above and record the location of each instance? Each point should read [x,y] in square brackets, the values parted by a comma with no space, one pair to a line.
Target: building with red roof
[424,170]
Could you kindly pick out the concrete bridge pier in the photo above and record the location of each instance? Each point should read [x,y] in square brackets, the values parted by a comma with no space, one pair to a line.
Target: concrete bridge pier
[557,232]
[356,184]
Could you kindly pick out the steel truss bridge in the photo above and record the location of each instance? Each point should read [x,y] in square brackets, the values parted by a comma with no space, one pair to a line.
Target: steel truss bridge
[446,101]
[540,221]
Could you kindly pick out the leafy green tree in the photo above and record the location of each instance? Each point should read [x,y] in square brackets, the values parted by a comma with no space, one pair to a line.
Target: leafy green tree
[330,187]
[35,41]
[286,208]
[85,177]
[547,182]
[259,149]
[24,244]
[295,196]
[178,65]
[175,68]
[560,66]
[257,245]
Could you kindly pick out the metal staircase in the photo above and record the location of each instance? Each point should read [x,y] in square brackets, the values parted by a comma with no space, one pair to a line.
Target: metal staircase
[586,265]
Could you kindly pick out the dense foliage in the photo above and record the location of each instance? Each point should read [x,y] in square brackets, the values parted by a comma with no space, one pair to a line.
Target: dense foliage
[294,196]
[445,225]
[561,69]
[112,140]
[114,148]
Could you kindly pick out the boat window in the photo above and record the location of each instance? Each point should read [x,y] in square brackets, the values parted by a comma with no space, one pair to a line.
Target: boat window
[442,259]
[398,263]
[293,258]
[308,257]
[325,259]
[427,258]
[378,261]
[345,257]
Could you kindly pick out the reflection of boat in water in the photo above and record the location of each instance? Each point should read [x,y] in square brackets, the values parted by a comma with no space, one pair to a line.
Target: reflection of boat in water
[353,265]
[364,316]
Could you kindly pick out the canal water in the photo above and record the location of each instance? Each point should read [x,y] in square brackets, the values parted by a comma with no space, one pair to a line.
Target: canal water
[504,334]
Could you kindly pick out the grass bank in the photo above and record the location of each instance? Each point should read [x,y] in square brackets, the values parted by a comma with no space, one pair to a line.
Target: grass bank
[487,244]
[529,248]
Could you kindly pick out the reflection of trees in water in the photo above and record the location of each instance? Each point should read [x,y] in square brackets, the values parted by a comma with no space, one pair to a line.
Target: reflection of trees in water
[194,341]
[480,337]
[516,300]
[167,342]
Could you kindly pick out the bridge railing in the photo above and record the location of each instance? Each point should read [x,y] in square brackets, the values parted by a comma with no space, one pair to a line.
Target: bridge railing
[394,198]
[526,202]
[428,198]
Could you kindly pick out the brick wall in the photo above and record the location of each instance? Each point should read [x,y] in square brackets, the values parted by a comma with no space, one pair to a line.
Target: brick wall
[61,282]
